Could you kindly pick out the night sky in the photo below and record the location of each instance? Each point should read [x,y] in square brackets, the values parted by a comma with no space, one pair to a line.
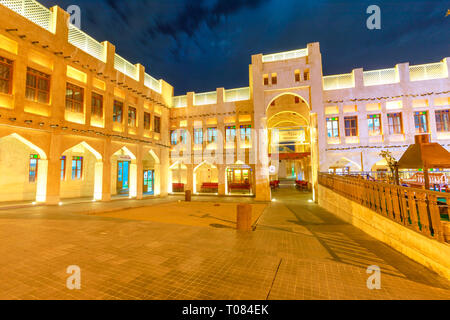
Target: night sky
[204,44]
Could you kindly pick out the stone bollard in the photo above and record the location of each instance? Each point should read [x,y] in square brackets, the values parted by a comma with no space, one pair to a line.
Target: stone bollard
[244,217]
[187,195]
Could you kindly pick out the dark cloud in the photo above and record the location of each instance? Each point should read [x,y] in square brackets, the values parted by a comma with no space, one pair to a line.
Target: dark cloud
[199,45]
[195,13]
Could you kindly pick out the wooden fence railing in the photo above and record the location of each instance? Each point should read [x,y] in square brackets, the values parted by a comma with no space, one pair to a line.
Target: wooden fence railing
[420,210]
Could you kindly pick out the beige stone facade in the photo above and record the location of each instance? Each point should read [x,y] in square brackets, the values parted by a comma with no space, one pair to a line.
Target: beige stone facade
[98,126]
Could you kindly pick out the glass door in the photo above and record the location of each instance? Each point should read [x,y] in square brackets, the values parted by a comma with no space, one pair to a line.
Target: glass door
[149,178]
[123,176]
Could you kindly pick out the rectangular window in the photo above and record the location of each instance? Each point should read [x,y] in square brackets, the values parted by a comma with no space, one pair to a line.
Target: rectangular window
[212,135]
[97,105]
[38,86]
[174,137]
[230,133]
[157,124]
[77,168]
[63,168]
[198,136]
[6,72]
[147,117]
[306,75]
[296,100]
[374,124]
[178,136]
[246,133]
[351,126]
[421,121]
[132,117]
[395,123]
[442,120]
[117,111]
[33,168]
[74,98]
[297,76]
[266,80]
[333,127]
[274,78]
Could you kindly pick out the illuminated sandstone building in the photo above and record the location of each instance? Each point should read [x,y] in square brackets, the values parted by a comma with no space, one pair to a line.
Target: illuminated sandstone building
[78,120]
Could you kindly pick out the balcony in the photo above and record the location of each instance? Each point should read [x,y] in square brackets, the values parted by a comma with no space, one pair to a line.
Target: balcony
[201,99]
[86,43]
[240,94]
[33,11]
[285,55]
[340,81]
[428,71]
[122,65]
[379,77]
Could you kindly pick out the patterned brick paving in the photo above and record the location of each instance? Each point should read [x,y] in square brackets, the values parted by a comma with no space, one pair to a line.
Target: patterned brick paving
[298,251]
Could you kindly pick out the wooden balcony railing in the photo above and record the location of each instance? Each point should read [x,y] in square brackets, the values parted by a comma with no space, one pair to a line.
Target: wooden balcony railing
[420,210]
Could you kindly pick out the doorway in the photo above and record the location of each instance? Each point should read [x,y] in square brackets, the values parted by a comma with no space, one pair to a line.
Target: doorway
[149,180]
[123,177]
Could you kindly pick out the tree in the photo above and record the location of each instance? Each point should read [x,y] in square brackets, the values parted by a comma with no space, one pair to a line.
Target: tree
[392,164]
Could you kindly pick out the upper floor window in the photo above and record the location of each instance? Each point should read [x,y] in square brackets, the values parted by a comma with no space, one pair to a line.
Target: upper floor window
[74,98]
[246,132]
[118,111]
[174,137]
[212,135]
[157,124]
[147,117]
[421,121]
[97,105]
[333,127]
[351,126]
[395,123]
[266,80]
[374,124]
[6,71]
[178,136]
[38,86]
[274,78]
[33,167]
[230,133]
[442,120]
[297,76]
[77,168]
[306,75]
[132,117]
[198,135]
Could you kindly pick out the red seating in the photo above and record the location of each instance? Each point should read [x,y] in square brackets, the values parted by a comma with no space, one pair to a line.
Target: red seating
[275,184]
[210,187]
[302,185]
[177,187]
[239,186]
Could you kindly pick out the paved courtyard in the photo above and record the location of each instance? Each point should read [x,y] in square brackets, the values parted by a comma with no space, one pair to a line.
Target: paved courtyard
[298,251]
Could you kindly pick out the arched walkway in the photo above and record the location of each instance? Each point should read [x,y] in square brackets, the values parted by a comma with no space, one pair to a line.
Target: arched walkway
[177,177]
[288,124]
[81,172]
[124,173]
[206,178]
[152,174]
[23,170]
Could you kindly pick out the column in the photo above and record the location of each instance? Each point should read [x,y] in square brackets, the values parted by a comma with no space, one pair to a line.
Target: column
[106,169]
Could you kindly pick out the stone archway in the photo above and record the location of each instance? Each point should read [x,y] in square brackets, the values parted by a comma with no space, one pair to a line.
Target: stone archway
[81,172]
[23,170]
[206,176]
[152,173]
[289,129]
[124,173]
